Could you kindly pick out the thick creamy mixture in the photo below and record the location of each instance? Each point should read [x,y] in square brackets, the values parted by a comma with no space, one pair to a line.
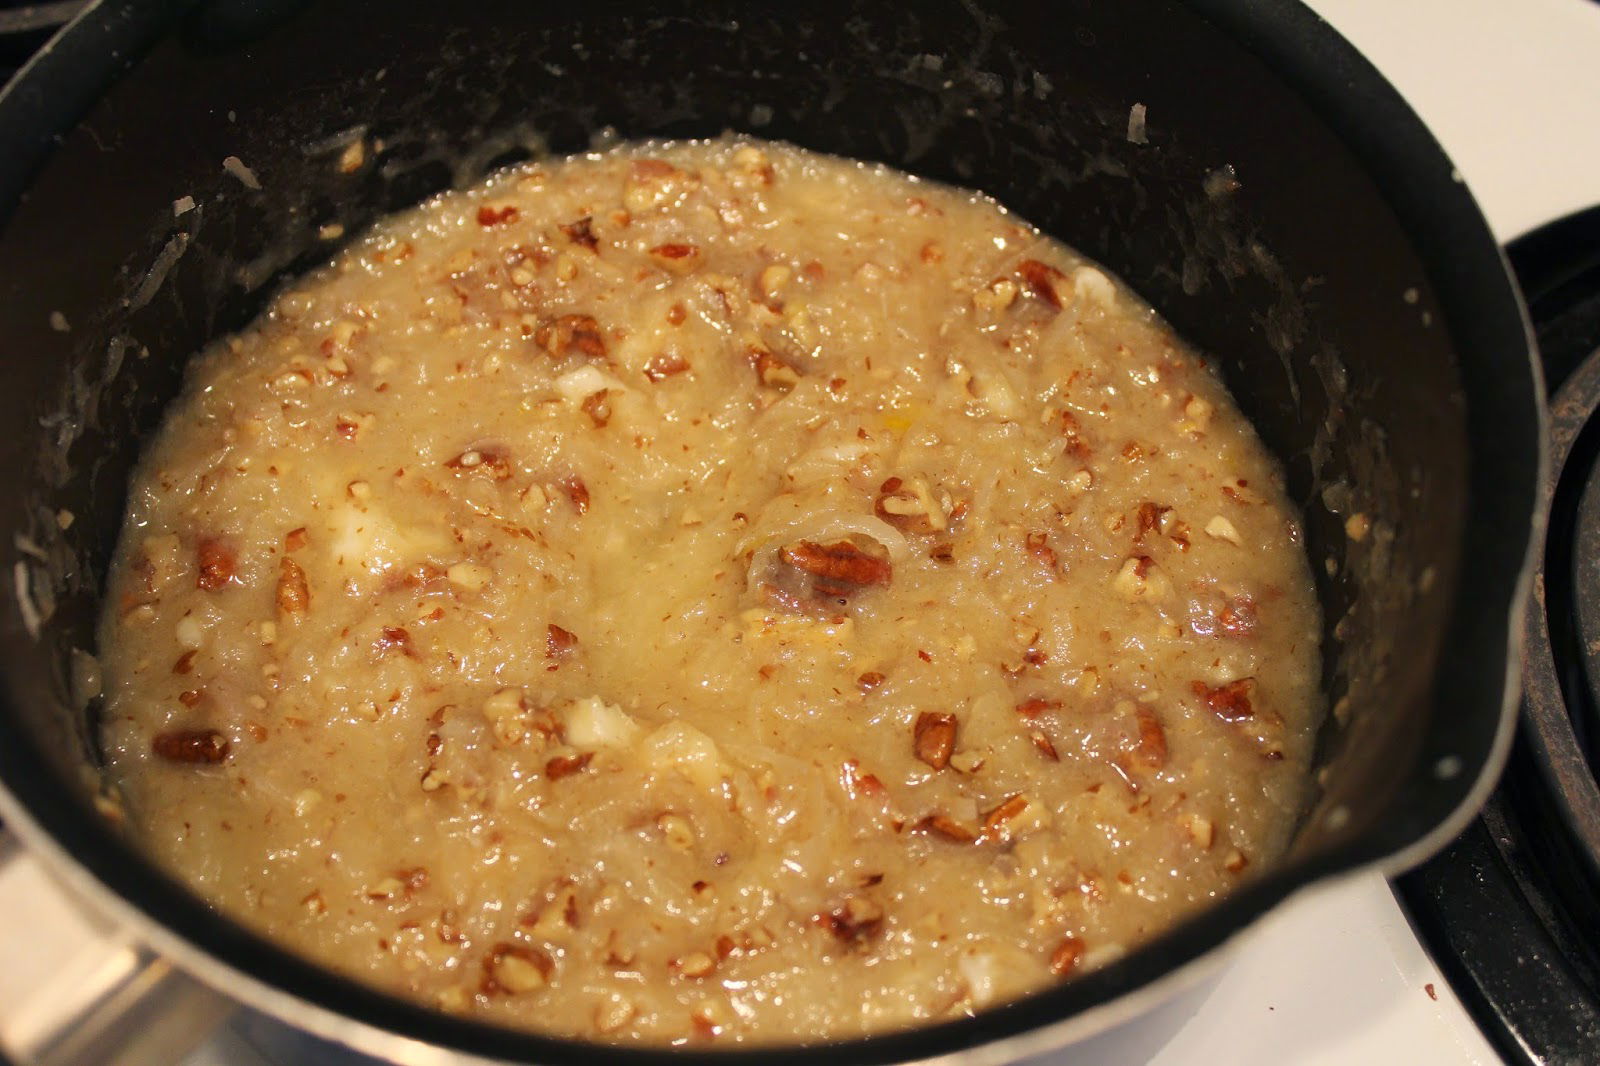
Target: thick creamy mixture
[709,592]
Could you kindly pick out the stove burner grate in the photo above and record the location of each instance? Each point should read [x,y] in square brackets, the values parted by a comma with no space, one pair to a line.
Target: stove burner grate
[1511,910]
[1561,666]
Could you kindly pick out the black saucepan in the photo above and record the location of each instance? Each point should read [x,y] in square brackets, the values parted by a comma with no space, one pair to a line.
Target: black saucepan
[1277,202]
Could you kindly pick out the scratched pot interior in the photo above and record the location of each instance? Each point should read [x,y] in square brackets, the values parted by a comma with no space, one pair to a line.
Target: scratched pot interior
[1287,269]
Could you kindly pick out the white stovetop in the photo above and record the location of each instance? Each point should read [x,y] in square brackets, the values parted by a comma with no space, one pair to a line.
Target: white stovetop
[1510,88]
[1512,91]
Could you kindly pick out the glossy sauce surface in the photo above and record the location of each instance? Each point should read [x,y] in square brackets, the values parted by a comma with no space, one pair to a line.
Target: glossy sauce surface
[709,592]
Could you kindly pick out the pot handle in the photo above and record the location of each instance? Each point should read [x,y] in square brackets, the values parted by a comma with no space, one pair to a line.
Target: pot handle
[77,989]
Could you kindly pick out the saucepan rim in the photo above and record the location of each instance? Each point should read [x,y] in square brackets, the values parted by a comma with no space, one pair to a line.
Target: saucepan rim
[1494,346]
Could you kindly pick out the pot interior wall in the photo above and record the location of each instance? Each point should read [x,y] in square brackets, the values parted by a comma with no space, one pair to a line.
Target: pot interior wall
[1238,214]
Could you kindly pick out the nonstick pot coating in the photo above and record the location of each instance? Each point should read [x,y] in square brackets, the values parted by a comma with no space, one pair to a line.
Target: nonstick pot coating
[1280,207]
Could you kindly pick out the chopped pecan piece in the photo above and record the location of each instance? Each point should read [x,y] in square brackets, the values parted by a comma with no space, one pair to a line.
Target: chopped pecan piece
[1072,433]
[577,492]
[856,920]
[696,964]
[869,681]
[394,638]
[780,598]
[490,461]
[217,562]
[1141,580]
[840,569]
[421,576]
[1034,706]
[704,1021]
[654,168]
[191,746]
[597,406]
[294,593]
[909,508]
[665,366]
[857,784]
[567,765]
[677,258]
[998,295]
[1223,529]
[654,184]
[1152,744]
[754,163]
[1150,518]
[1200,828]
[1238,616]
[572,332]
[995,821]
[581,233]
[947,827]
[558,642]
[412,879]
[1067,956]
[774,372]
[490,215]
[771,282]
[514,970]
[1045,282]
[935,738]
[185,661]
[295,539]
[676,830]
[1038,544]
[190,698]
[1230,702]
[1239,492]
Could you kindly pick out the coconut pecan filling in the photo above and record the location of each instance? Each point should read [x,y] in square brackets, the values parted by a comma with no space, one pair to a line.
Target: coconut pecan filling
[705,593]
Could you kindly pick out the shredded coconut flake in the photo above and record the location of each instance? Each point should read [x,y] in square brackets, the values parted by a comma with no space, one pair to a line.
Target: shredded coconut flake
[28,546]
[1136,133]
[30,613]
[170,253]
[247,177]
